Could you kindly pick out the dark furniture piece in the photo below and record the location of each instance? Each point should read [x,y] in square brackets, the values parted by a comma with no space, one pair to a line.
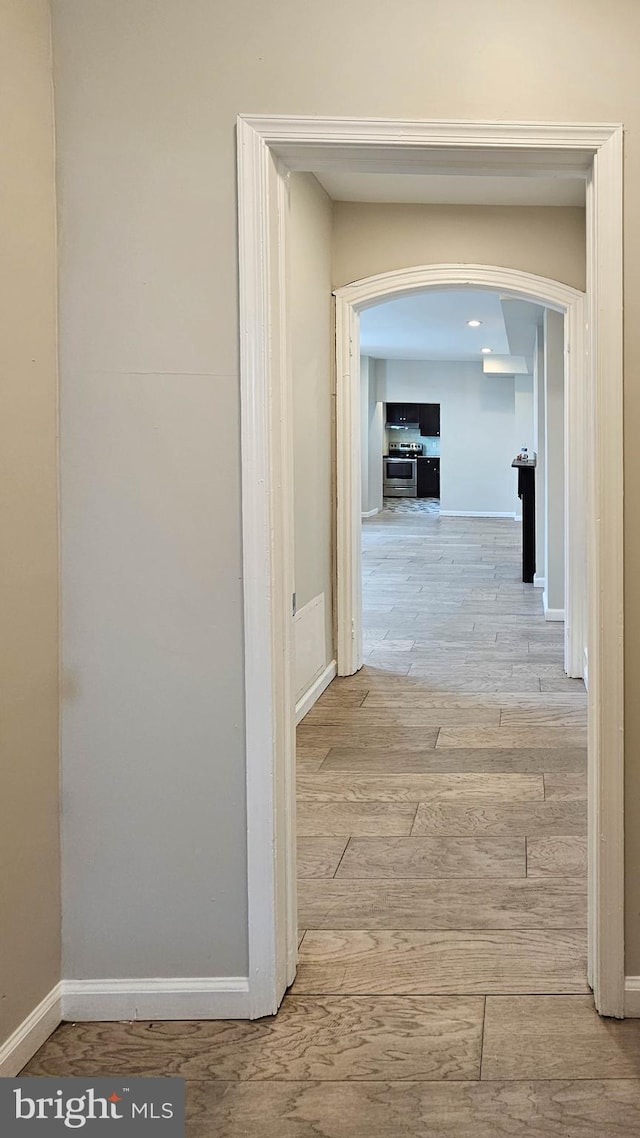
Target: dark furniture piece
[403,415]
[527,494]
[429,420]
[428,477]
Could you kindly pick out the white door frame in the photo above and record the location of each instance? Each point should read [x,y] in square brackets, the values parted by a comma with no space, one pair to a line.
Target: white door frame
[351,300]
[269,146]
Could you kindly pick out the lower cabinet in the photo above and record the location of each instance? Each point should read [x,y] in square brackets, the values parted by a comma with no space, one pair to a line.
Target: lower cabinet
[428,477]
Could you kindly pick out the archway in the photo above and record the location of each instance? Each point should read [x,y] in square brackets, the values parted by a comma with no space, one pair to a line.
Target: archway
[371,291]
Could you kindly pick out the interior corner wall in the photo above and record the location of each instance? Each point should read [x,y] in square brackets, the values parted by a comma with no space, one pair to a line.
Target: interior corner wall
[29,798]
[371,238]
[310,310]
[524,420]
[477,427]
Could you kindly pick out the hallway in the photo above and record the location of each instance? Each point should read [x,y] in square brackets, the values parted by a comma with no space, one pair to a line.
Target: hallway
[441,793]
[441,988]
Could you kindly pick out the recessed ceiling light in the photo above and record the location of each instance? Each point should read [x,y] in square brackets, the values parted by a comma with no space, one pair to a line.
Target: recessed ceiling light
[474,323]
[486,350]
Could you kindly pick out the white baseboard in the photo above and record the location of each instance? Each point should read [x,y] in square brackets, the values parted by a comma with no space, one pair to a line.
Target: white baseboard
[23,1043]
[475,514]
[209,997]
[539,582]
[551,614]
[632,997]
[306,702]
[370,513]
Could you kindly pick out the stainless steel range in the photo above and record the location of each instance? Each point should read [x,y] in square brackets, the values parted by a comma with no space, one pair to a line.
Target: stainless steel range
[400,470]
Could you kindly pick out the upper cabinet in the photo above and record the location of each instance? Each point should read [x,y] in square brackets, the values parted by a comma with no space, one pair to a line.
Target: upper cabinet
[425,416]
[403,414]
[429,419]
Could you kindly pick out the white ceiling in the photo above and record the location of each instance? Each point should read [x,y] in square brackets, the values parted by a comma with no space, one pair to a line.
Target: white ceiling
[433,326]
[452,189]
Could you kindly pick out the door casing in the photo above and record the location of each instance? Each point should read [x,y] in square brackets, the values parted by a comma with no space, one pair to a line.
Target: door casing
[268,147]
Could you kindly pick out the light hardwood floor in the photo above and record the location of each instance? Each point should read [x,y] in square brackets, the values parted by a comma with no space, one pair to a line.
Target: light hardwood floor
[441,989]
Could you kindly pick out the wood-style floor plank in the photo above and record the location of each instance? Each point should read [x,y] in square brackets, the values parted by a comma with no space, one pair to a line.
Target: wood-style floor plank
[377,858]
[557,1037]
[452,760]
[460,962]
[512,737]
[321,787]
[556,856]
[353,719]
[557,1109]
[555,818]
[510,903]
[560,784]
[355,818]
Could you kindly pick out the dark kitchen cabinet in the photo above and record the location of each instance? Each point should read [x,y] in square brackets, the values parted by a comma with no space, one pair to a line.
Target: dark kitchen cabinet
[428,477]
[402,414]
[429,420]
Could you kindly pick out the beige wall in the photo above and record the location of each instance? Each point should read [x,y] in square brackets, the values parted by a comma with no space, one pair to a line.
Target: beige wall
[29,848]
[370,238]
[147,96]
[313,404]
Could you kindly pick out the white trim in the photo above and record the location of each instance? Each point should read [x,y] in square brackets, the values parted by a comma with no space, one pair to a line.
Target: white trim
[477,514]
[605,560]
[370,513]
[348,494]
[313,143]
[539,582]
[632,997]
[306,702]
[267,527]
[554,614]
[23,1043]
[576,447]
[209,997]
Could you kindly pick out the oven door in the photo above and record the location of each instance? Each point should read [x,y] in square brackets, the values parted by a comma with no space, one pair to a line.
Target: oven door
[400,477]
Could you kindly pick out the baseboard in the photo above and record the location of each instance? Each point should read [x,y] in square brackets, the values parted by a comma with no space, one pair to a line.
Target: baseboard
[306,702]
[23,1043]
[476,514]
[551,614]
[209,997]
[370,513]
[539,582]
[632,997]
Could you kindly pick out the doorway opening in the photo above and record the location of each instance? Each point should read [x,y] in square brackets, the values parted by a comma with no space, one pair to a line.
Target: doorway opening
[443,785]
